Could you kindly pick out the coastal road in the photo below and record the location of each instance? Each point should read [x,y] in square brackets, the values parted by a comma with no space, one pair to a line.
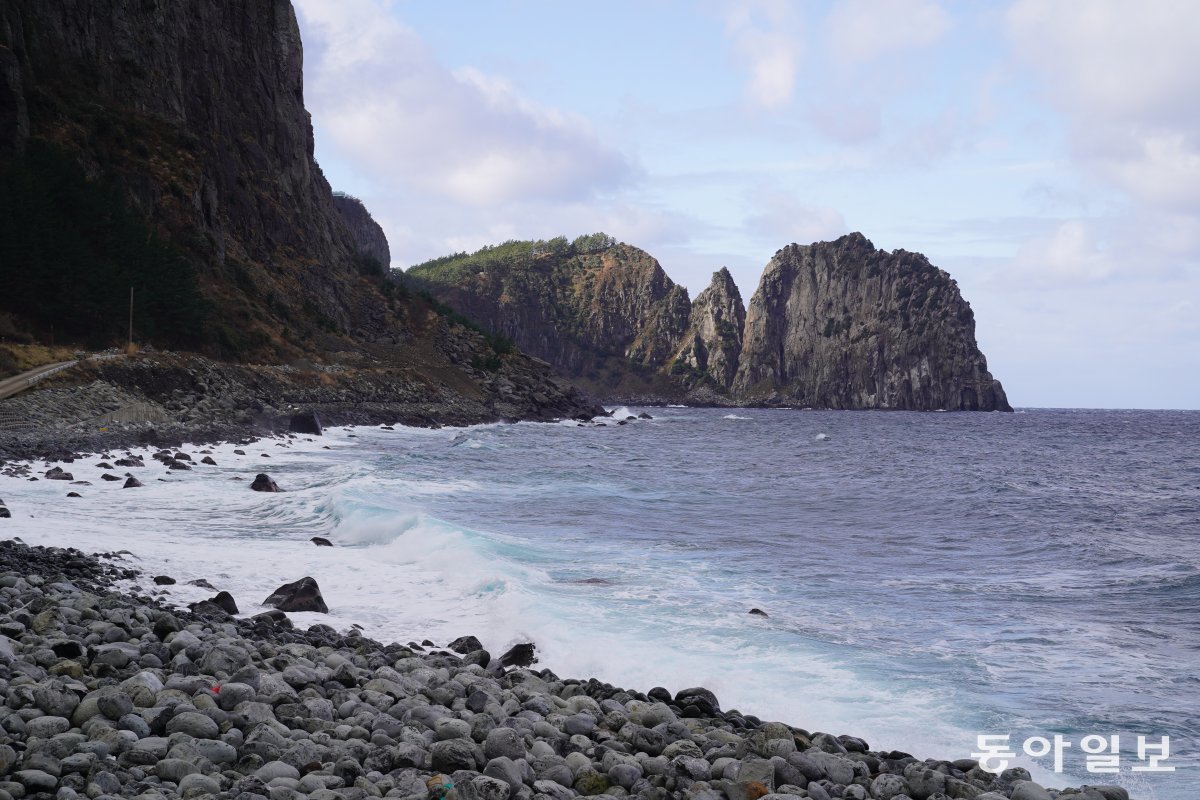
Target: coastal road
[19,383]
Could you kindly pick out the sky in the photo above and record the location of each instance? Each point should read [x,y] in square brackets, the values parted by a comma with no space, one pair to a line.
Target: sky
[1045,154]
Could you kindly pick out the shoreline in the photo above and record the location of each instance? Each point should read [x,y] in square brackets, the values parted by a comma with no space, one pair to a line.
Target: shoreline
[328,714]
[168,399]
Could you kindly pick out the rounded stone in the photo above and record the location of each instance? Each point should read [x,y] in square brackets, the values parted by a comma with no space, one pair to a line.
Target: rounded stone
[114,705]
[451,728]
[276,769]
[504,742]
[589,782]
[887,786]
[36,780]
[624,775]
[1028,790]
[452,754]
[193,724]
[45,727]
[581,724]
[198,784]
[174,769]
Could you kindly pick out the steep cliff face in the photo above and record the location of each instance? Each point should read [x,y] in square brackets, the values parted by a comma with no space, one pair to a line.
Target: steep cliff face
[195,113]
[605,315]
[843,325]
[711,348]
[197,110]
[832,325]
[368,238]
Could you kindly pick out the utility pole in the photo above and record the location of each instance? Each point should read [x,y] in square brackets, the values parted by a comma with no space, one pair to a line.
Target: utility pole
[129,349]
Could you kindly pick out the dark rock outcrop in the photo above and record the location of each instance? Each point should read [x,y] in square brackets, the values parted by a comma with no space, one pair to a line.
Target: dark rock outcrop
[519,655]
[712,346]
[699,700]
[301,595]
[131,483]
[465,645]
[321,541]
[263,483]
[225,601]
[369,240]
[305,422]
[844,325]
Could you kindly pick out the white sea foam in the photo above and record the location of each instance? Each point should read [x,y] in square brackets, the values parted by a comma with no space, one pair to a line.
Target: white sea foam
[405,574]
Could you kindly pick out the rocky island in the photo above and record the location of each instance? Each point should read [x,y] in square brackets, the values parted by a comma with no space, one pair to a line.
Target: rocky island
[838,325]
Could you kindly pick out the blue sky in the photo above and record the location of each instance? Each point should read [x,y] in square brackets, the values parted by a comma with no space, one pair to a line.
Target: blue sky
[1046,154]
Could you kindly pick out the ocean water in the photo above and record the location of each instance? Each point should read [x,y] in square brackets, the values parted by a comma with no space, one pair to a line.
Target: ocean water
[928,577]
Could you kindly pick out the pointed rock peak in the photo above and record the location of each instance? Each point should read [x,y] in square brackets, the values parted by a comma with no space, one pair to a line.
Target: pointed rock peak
[723,281]
[854,239]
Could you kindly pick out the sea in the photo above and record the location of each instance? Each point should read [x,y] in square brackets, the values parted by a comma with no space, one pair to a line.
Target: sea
[927,578]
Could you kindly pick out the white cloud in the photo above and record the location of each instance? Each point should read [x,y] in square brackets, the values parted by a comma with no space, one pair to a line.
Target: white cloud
[780,219]
[1125,74]
[1071,253]
[864,30]
[768,38]
[399,116]
[849,122]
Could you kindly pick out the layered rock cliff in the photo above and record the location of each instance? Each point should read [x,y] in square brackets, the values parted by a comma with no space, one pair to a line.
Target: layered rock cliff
[369,240]
[186,125]
[605,315]
[711,348]
[832,325]
[844,325]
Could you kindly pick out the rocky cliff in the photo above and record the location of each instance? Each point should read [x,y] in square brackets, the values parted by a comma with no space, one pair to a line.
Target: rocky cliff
[370,242]
[711,348]
[186,125]
[602,313]
[844,325]
[832,325]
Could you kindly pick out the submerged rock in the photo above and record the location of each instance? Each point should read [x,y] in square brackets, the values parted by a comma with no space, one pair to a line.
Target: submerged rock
[263,483]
